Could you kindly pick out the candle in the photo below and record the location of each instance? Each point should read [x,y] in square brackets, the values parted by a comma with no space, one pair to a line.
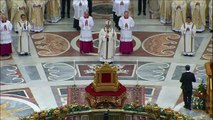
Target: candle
[137,71]
[74,72]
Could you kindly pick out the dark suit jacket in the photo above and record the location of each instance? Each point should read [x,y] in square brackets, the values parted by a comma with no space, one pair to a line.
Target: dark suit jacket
[186,79]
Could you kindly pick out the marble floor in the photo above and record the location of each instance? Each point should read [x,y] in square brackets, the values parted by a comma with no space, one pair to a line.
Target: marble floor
[39,81]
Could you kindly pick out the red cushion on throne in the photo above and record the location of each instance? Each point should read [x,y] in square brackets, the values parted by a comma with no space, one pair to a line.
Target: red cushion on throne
[106,78]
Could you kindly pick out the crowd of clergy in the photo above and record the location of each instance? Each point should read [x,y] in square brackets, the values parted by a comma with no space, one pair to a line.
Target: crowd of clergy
[25,16]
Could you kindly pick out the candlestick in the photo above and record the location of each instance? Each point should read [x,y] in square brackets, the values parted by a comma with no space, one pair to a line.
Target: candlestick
[74,72]
[137,71]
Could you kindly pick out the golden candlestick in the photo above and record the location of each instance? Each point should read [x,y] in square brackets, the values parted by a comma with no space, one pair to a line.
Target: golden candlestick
[137,103]
[74,94]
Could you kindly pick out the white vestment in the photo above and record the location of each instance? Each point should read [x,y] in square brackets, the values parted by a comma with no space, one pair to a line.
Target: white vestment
[188,38]
[36,14]
[210,15]
[3,8]
[24,36]
[106,48]
[79,10]
[165,11]
[178,14]
[198,14]
[126,32]
[18,7]
[86,25]
[53,9]
[6,32]
[120,9]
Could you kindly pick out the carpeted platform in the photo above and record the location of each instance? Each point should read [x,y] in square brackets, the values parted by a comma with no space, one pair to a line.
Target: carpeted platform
[145,94]
[147,44]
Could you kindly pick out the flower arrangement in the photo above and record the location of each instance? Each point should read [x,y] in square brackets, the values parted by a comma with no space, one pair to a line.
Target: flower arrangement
[199,97]
[57,113]
[154,111]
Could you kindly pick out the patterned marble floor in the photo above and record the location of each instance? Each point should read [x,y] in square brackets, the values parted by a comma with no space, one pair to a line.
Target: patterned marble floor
[39,81]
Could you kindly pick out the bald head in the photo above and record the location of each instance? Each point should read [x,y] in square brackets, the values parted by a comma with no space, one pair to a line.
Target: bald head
[86,14]
[4,18]
[126,14]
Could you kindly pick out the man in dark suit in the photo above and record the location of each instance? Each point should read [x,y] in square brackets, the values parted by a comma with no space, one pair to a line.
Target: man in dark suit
[140,7]
[64,2]
[186,79]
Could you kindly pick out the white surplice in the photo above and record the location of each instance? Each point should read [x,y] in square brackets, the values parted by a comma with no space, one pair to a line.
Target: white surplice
[24,37]
[79,10]
[106,48]
[126,32]
[86,29]
[188,37]
[5,29]
[120,9]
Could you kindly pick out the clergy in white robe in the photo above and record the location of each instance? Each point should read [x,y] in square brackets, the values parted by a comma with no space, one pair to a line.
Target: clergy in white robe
[210,16]
[165,11]
[18,7]
[119,7]
[3,8]
[198,8]
[24,36]
[5,37]
[36,14]
[80,6]
[178,14]
[53,9]
[126,23]
[86,24]
[188,30]
[107,43]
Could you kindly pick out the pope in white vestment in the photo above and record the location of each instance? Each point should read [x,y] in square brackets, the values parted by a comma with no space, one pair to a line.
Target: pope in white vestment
[126,23]
[18,7]
[24,36]
[80,6]
[3,8]
[86,24]
[5,37]
[210,15]
[198,8]
[178,14]
[188,30]
[107,43]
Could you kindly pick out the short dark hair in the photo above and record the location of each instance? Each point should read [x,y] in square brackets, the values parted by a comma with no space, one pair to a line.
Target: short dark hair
[189,17]
[187,67]
[23,15]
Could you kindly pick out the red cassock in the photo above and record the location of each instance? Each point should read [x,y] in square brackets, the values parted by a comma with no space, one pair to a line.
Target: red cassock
[86,46]
[5,49]
[126,47]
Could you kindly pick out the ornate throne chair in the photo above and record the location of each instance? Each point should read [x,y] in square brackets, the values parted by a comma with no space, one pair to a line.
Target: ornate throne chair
[106,79]
[106,91]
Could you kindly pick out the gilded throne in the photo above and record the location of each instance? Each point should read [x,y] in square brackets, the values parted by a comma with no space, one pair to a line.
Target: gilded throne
[106,91]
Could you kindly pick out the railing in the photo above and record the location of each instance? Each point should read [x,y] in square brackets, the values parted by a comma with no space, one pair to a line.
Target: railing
[129,112]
